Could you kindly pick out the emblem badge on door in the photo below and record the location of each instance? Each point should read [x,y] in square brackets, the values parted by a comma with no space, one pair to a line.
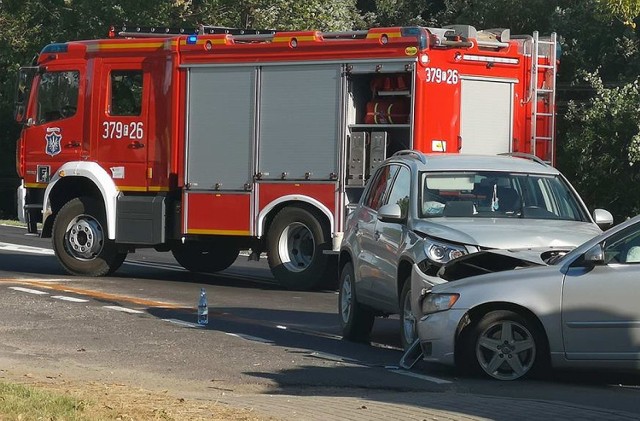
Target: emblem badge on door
[53,139]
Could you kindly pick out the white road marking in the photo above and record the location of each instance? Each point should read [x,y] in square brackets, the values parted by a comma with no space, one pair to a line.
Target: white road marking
[167,266]
[25,249]
[336,358]
[29,290]
[183,323]
[72,299]
[250,338]
[124,309]
[421,376]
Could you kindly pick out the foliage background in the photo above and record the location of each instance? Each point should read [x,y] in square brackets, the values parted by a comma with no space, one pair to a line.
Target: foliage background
[598,82]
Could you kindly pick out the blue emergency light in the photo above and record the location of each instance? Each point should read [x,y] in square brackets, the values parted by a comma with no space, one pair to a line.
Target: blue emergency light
[192,39]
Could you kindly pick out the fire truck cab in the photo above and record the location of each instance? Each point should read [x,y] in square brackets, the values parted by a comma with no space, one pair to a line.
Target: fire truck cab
[209,143]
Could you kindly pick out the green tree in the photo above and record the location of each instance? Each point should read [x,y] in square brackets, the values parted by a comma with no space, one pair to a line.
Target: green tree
[624,10]
[601,148]
[288,14]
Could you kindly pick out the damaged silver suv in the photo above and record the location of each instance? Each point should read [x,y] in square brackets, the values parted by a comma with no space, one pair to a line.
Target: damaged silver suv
[430,209]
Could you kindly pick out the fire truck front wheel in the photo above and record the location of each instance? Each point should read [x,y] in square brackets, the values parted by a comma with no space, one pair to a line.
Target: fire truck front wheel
[80,239]
[295,243]
[205,257]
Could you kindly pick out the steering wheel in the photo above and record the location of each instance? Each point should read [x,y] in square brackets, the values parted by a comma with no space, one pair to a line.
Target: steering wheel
[67,111]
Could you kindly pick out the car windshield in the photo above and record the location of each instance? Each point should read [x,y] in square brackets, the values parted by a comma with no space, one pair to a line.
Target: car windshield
[498,195]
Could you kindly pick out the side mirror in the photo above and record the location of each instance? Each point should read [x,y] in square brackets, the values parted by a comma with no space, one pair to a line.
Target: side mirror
[390,213]
[603,218]
[18,114]
[592,257]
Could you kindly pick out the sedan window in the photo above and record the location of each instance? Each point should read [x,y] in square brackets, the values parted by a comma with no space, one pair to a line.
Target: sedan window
[623,247]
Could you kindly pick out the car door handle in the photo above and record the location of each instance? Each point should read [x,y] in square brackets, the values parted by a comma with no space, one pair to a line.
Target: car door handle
[72,144]
[135,145]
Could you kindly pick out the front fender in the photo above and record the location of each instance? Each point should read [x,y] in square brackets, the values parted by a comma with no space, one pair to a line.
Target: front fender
[99,177]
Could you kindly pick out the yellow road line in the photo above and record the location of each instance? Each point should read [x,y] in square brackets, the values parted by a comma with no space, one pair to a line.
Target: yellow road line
[95,294]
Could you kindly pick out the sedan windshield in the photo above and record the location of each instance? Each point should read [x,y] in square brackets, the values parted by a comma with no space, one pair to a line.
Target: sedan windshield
[498,195]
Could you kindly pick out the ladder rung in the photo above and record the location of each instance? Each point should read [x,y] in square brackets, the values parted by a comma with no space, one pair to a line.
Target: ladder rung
[545,66]
[544,90]
[540,41]
[543,138]
[544,114]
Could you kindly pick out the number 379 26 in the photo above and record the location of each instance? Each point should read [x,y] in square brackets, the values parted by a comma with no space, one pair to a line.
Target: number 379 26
[119,130]
[438,75]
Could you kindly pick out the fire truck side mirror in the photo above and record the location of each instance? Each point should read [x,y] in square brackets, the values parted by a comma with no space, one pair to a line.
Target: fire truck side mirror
[18,114]
[23,90]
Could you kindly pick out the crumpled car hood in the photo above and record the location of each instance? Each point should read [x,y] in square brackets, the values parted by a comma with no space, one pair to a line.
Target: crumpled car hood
[509,233]
[491,261]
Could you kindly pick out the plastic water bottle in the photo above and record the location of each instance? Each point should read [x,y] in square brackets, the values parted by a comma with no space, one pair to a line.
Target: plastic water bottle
[203,308]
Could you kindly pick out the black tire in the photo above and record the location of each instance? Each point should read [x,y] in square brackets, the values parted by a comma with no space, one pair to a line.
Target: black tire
[80,239]
[408,333]
[356,320]
[504,355]
[295,244]
[208,257]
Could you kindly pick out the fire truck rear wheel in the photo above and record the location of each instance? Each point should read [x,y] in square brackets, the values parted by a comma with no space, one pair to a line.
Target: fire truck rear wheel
[80,239]
[295,243]
[205,257]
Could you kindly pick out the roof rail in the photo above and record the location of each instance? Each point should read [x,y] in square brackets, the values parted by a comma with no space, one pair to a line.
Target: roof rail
[417,154]
[212,30]
[130,31]
[525,156]
[161,31]
[253,35]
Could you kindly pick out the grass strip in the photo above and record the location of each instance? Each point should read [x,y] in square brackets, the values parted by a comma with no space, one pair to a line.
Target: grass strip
[25,403]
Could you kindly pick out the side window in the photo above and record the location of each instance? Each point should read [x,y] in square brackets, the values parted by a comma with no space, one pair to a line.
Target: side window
[126,93]
[381,184]
[624,247]
[57,96]
[400,190]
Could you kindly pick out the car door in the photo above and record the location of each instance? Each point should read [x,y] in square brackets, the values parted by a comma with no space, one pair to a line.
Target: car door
[600,311]
[364,224]
[388,238]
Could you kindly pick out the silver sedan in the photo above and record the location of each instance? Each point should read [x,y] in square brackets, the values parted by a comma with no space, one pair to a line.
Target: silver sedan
[581,311]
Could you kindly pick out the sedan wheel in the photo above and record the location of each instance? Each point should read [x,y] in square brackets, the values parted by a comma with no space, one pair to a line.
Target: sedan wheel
[506,346]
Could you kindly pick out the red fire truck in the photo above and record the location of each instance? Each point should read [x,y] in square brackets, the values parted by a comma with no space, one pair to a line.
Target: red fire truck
[222,140]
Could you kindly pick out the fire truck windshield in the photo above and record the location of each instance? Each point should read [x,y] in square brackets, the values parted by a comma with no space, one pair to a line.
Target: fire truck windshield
[57,96]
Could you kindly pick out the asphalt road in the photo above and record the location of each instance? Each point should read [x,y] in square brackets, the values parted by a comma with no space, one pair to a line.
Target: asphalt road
[140,325]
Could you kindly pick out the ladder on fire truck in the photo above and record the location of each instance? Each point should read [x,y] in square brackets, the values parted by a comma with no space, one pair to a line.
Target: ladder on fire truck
[545,93]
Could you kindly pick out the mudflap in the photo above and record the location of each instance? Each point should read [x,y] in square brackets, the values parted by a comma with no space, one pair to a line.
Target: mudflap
[411,356]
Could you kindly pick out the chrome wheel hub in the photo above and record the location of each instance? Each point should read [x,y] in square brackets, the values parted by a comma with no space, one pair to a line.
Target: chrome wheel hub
[296,247]
[84,237]
[408,320]
[506,350]
[346,300]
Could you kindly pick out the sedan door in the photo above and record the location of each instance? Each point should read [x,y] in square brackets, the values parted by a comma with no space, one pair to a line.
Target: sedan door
[600,311]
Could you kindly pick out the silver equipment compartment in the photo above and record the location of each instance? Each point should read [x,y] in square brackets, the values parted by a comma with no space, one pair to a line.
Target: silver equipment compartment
[299,122]
[220,127]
